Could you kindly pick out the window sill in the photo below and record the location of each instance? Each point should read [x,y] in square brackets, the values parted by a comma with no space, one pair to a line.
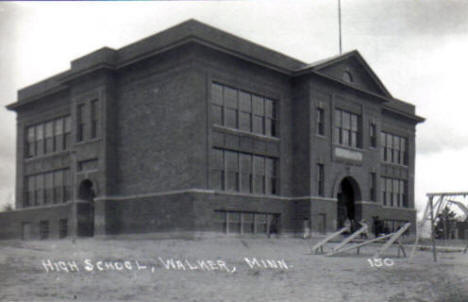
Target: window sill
[321,136]
[245,133]
[89,141]
[394,164]
[44,156]
[349,147]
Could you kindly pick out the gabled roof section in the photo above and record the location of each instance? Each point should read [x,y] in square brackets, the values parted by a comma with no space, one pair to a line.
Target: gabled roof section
[193,30]
[358,72]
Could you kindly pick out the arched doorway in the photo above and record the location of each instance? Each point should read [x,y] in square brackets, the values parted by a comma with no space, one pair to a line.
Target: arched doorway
[86,196]
[348,194]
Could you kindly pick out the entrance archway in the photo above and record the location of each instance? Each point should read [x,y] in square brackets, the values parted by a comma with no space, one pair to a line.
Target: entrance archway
[348,194]
[86,195]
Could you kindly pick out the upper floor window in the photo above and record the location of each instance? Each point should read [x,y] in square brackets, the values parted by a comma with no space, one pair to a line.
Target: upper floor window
[394,192]
[394,149]
[48,137]
[373,186]
[47,188]
[243,172]
[373,135]
[347,129]
[347,77]
[94,118]
[80,122]
[320,180]
[320,121]
[241,110]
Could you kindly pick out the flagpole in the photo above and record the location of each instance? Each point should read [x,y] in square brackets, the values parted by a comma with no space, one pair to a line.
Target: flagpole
[339,25]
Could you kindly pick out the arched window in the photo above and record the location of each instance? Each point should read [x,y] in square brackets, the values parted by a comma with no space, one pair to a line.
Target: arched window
[348,77]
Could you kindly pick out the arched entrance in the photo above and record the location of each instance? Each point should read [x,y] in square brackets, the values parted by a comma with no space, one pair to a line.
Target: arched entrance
[348,194]
[86,195]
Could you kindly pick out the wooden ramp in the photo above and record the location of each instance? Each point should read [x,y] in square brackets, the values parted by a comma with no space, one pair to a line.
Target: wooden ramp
[350,238]
[395,236]
[358,245]
[320,244]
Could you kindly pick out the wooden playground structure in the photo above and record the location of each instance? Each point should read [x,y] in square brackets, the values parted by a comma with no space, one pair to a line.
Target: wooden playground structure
[435,204]
[344,245]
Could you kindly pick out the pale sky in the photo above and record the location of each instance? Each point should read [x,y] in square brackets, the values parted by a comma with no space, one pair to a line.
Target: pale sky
[417,48]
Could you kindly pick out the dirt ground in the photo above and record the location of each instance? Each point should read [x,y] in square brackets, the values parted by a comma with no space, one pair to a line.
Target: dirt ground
[348,277]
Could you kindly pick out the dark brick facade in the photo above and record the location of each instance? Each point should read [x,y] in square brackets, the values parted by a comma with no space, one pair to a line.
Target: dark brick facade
[145,164]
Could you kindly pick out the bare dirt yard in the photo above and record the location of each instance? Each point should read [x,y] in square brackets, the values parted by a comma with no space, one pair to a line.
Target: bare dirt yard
[215,269]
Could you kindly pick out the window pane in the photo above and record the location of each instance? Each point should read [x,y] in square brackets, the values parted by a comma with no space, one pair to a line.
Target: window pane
[346,134]
[67,124]
[30,134]
[217,114]
[354,139]
[230,98]
[217,179]
[269,108]
[245,163]
[59,126]
[259,186]
[49,127]
[338,118]
[354,122]
[346,120]
[217,94]
[259,165]
[270,167]
[217,159]
[244,121]
[269,127]
[231,118]
[258,105]
[40,131]
[246,182]
[257,124]
[232,181]
[245,102]
[232,161]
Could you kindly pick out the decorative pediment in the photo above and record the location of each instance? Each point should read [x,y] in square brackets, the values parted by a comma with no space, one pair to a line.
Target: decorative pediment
[352,69]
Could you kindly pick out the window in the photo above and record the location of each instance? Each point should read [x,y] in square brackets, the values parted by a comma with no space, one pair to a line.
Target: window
[347,77]
[58,135]
[241,110]
[373,135]
[320,180]
[30,142]
[240,222]
[373,186]
[40,139]
[30,190]
[58,186]
[394,149]
[80,125]
[94,118]
[45,188]
[320,120]
[63,228]
[49,187]
[347,129]
[394,192]
[48,137]
[40,192]
[243,172]
[43,229]
[67,133]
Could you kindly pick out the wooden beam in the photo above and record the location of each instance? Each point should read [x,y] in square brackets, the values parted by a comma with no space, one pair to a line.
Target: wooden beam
[321,243]
[394,237]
